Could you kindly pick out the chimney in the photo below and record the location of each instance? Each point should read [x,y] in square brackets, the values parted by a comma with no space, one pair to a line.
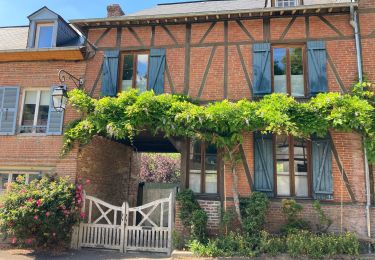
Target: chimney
[114,10]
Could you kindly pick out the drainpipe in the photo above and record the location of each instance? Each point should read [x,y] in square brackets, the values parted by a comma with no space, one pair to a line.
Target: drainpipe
[354,24]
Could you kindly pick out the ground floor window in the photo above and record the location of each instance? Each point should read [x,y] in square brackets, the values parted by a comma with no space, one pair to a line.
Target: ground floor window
[286,166]
[203,168]
[292,167]
[8,177]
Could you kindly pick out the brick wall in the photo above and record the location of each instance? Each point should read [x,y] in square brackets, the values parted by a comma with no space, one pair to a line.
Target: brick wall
[37,152]
[109,167]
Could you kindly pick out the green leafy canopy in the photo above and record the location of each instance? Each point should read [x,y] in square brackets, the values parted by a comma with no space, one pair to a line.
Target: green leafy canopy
[221,123]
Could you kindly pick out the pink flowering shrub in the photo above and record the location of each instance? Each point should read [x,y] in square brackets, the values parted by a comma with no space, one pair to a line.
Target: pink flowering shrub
[160,168]
[42,213]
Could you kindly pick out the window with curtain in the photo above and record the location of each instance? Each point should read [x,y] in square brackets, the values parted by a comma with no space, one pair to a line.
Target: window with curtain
[134,71]
[203,173]
[292,169]
[288,70]
[35,111]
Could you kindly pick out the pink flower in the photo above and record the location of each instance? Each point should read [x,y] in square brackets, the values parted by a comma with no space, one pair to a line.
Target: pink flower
[54,234]
[36,217]
[29,241]
[88,182]
[79,201]
[30,200]
[83,215]
[79,187]
[23,191]
[14,240]
[38,202]
[47,213]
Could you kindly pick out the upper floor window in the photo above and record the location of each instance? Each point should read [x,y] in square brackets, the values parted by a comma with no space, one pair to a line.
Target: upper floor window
[35,111]
[43,36]
[202,174]
[286,3]
[288,70]
[134,71]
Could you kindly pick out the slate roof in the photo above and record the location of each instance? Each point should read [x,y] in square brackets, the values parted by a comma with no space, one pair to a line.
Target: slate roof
[216,6]
[13,38]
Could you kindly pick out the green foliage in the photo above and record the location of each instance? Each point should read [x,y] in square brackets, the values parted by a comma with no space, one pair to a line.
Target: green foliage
[324,221]
[290,208]
[41,213]
[300,244]
[254,210]
[305,243]
[192,216]
[179,240]
[221,123]
[272,245]
[226,218]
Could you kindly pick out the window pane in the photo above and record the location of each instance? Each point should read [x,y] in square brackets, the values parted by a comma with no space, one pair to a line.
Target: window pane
[282,165]
[43,112]
[3,182]
[45,36]
[142,72]
[28,111]
[211,169]
[34,177]
[286,3]
[279,61]
[296,67]
[127,72]
[300,168]
[195,165]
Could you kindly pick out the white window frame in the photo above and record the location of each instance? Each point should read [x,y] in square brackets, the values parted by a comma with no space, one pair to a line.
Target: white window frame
[10,177]
[281,3]
[38,26]
[39,91]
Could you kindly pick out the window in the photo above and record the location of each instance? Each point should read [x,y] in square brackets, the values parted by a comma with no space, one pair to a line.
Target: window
[202,174]
[292,167]
[43,35]
[35,111]
[134,71]
[8,177]
[286,3]
[288,70]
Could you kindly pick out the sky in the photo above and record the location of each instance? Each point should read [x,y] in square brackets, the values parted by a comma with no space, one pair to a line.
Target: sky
[15,12]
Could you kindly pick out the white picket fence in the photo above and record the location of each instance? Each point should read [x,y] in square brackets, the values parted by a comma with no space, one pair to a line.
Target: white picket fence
[144,228]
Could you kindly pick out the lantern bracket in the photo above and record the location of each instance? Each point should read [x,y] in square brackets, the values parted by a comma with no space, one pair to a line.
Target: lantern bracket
[77,81]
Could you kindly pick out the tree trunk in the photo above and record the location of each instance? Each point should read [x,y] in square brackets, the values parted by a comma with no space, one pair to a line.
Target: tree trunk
[236,199]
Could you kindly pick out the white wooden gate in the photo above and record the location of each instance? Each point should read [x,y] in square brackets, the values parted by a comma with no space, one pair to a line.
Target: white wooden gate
[104,226]
[144,228]
[149,227]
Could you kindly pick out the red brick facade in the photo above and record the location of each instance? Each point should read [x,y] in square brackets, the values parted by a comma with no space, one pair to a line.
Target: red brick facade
[189,49]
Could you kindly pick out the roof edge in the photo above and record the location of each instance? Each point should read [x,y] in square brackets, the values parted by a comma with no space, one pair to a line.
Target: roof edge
[194,14]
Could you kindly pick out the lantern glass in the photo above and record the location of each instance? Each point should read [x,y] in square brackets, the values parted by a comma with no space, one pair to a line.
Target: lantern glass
[59,98]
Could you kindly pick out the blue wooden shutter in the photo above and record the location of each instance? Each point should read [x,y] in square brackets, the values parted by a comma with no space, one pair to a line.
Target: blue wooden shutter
[263,164]
[156,71]
[110,73]
[9,97]
[55,119]
[262,69]
[322,168]
[317,67]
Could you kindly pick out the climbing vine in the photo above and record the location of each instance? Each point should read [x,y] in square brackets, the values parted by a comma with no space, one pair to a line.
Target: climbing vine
[222,123]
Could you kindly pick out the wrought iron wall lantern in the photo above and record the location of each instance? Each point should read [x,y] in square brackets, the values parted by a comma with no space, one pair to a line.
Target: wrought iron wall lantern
[60,93]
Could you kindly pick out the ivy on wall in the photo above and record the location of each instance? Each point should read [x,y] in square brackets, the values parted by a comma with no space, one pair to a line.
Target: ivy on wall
[222,123]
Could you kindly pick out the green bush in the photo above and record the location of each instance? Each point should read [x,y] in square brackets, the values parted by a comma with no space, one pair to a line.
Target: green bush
[324,221]
[290,208]
[254,210]
[272,245]
[192,216]
[41,213]
[305,243]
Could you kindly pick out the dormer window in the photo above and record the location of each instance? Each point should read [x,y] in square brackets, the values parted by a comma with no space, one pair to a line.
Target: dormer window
[43,36]
[286,3]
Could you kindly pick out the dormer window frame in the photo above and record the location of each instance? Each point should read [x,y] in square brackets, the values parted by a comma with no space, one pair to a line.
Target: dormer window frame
[276,3]
[38,26]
